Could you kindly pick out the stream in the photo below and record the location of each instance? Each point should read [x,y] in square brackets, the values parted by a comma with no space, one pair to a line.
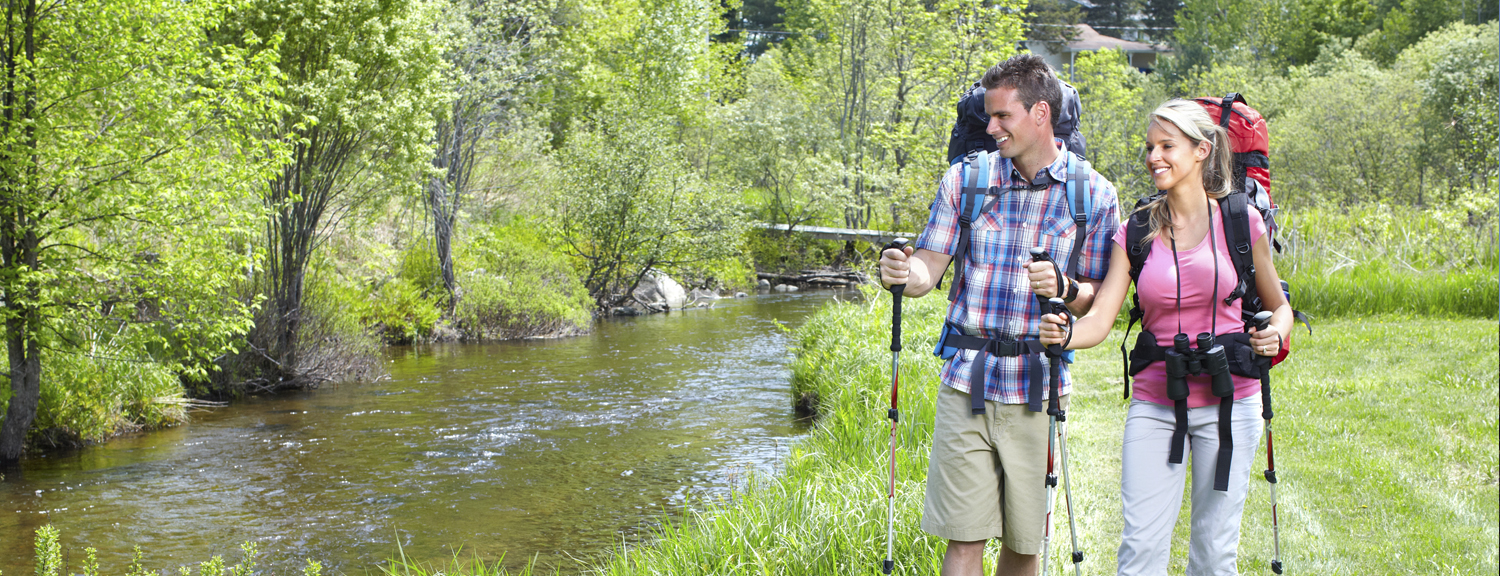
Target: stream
[555,449]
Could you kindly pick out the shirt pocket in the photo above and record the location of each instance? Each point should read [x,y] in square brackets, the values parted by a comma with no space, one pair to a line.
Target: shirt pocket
[1057,238]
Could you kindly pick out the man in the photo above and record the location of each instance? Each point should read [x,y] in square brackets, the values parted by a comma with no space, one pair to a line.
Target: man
[987,473]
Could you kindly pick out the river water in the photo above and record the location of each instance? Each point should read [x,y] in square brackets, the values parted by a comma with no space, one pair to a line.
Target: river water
[558,449]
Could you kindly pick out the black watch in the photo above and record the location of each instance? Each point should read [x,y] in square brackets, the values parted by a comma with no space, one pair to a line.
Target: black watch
[1072,290]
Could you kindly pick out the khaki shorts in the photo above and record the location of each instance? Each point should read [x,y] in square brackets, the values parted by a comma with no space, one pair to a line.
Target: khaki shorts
[987,476]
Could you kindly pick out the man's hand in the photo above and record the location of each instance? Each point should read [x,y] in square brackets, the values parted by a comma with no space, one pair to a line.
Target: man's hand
[895,266]
[1043,277]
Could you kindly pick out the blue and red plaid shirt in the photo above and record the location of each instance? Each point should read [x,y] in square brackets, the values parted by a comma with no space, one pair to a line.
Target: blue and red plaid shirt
[996,300]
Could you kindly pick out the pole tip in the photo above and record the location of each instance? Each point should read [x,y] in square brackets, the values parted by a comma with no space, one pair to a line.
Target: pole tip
[887,566]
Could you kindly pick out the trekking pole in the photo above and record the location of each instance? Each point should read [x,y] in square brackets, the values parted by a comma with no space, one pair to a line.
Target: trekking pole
[1056,426]
[894,414]
[1263,320]
[1061,308]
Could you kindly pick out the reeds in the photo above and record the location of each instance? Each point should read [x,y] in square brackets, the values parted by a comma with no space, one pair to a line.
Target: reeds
[1376,259]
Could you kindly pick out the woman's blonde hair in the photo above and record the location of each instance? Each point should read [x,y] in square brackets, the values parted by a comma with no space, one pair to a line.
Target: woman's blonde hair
[1194,123]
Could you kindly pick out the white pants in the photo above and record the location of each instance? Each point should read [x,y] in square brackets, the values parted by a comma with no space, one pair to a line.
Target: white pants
[1151,488]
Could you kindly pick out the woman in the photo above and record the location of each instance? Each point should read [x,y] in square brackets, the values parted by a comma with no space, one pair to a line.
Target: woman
[1189,157]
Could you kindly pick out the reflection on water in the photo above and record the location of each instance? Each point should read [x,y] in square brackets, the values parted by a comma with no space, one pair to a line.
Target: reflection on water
[554,448]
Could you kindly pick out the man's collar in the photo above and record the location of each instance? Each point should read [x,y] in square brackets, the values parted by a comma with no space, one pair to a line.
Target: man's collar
[1054,173]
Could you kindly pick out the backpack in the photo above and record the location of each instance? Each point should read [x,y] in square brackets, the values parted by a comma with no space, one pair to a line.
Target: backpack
[969,126]
[1249,140]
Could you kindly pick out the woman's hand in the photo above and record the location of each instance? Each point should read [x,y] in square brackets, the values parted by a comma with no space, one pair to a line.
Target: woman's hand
[1266,342]
[1054,329]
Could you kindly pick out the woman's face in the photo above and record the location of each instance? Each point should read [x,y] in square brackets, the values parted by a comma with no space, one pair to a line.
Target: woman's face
[1172,157]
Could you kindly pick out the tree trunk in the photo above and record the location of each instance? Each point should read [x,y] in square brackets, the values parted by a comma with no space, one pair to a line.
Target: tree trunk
[25,387]
[18,239]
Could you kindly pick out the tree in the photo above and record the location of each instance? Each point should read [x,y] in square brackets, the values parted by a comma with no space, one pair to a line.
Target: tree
[496,52]
[781,147]
[884,79]
[629,204]
[124,148]
[1160,17]
[1054,22]
[1454,73]
[1111,15]
[1111,92]
[361,81]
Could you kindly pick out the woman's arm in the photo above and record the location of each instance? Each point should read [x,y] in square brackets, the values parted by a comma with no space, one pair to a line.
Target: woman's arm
[1093,327]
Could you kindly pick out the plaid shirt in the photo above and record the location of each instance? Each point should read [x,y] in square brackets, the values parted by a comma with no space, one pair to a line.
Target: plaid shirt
[996,300]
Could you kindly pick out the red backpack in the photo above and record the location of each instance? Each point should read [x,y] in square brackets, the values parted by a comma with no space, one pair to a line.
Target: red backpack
[1251,142]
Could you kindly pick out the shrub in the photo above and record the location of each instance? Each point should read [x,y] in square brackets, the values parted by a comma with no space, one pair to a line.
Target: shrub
[401,312]
[516,285]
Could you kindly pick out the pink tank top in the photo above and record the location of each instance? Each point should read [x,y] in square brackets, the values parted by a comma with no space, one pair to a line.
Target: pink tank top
[1201,311]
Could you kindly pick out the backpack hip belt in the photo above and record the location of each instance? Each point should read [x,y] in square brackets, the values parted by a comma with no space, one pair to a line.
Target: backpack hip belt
[1007,347]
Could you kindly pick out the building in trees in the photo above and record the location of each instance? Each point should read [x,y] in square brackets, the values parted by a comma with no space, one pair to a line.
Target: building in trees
[1141,55]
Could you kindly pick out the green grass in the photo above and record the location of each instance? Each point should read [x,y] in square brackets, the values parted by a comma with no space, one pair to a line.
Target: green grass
[1385,440]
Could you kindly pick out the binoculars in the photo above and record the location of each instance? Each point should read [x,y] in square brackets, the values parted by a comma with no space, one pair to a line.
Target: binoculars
[1207,357]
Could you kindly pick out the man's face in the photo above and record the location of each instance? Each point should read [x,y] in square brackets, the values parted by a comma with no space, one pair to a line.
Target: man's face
[1015,129]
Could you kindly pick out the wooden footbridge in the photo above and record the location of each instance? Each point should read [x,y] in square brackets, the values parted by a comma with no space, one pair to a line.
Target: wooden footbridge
[876,237]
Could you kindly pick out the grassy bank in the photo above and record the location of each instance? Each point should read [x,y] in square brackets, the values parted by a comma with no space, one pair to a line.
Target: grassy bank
[1385,433]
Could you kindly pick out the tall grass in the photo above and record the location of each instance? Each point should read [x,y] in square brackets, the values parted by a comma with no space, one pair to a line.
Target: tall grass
[1376,259]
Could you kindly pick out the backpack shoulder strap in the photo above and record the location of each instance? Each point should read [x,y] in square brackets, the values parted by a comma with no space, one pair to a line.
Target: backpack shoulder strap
[1137,226]
[1234,209]
[1080,204]
[976,181]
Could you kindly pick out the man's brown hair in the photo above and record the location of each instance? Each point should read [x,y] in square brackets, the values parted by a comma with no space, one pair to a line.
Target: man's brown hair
[1032,79]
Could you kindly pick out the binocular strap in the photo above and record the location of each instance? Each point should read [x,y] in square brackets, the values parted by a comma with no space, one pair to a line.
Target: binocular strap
[1179,431]
[1226,444]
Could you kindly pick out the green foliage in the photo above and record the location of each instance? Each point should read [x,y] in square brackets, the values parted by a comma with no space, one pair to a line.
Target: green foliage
[402,311]
[1455,75]
[92,396]
[124,174]
[1379,259]
[1407,22]
[1346,131]
[515,285]
[419,267]
[49,561]
[628,206]
[880,82]
[1111,91]
[400,565]
[784,253]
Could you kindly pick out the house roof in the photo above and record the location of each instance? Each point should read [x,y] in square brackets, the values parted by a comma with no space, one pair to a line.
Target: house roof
[1089,39]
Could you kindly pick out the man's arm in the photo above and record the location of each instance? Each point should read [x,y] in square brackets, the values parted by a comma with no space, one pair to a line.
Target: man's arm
[919,269]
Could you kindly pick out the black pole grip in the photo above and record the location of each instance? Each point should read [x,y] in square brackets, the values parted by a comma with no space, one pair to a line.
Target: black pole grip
[1262,320]
[896,292]
[1060,308]
[1039,254]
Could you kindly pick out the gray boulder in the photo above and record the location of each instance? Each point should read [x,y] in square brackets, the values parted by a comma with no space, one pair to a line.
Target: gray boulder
[657,292]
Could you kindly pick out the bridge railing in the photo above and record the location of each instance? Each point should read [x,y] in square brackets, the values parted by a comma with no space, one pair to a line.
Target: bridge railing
[877,237]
